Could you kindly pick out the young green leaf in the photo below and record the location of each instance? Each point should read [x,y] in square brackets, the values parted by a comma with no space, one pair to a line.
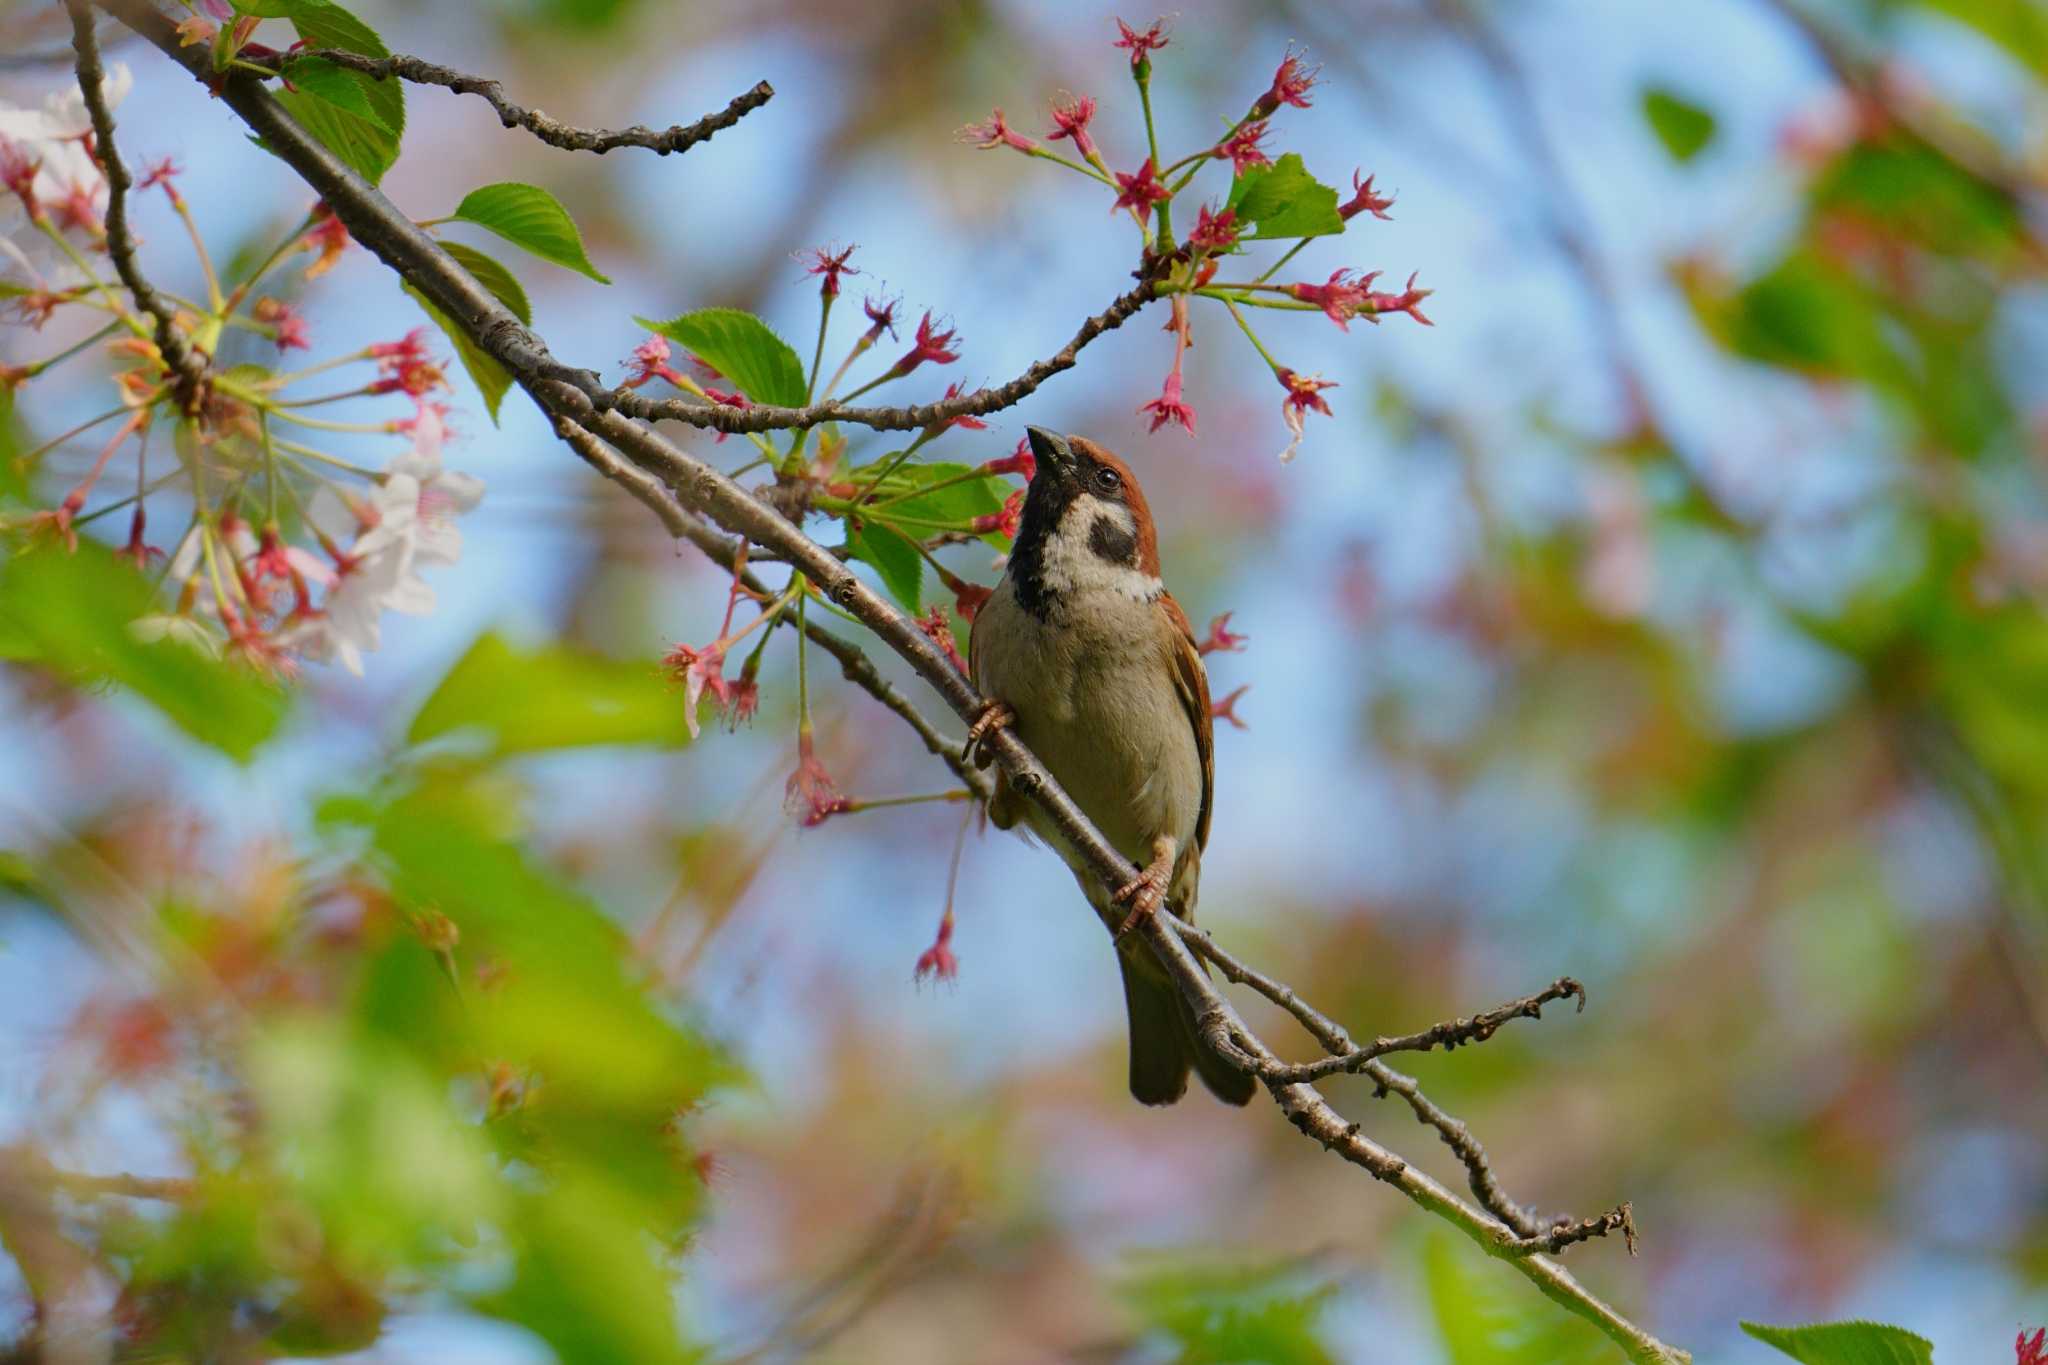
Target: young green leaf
[341,88]
[549,698]
[1682,126]
[528,216]
[894,558]
[1283,200]
[492,275]
[366,145]
[1484,1318]
[368,142]
[1846,1343]
[741,347]
[75,613]
[491,379]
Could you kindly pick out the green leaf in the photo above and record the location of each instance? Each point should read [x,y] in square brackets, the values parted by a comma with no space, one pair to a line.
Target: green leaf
[1284,200]
[553,697]
[1682,126]
[1232,1315]
[952,504]
[528,216]
[895,558]
[368,147]
[1486,1317]
[339,87]
[368,142]
[492,275]
[2018,26]
[75,612]
[1846,1343]
[741,347]
[491,379]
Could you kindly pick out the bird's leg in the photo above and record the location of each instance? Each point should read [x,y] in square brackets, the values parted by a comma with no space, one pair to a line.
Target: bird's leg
[1147,891]
[995,715]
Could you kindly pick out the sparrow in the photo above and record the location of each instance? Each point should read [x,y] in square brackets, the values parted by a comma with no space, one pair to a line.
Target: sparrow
[1086,658]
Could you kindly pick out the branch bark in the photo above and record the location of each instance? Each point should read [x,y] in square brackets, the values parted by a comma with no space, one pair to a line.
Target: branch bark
[178,354]
[699,490]
[567,136]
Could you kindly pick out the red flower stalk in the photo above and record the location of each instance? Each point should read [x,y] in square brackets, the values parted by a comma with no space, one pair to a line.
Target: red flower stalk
[1018,461]
[1340,297]
[1215,233]
[963,420]
[1363,200]
[1168,407]
[734,399]
[882,313]
[270,561]
[931,346]
[939,631]
[938,960]
[2032,1350]
[1004,522]
[289,323]
[162,173]
[136,548]
[406,368]
[1222,639]
[699,671]
[823,262]
[1303,396]
[997,132]
[1403,302]
[1226,709]
[649,361]
[968,598]
[1291,84]
[810,796]
[1242,147]
[1071,120]
[1140,192]
[327,237]
[1151,40]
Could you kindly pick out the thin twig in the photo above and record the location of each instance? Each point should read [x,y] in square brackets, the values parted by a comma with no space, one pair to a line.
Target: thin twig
[567,136]
[182,359]
[1621,1219]
[1449,1034]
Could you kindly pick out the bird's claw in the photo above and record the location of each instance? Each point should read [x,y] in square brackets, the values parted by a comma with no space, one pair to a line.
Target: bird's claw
[995,715]
[1146,892]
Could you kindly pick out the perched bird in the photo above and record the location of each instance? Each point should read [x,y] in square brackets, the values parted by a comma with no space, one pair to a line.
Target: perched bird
[1086,656]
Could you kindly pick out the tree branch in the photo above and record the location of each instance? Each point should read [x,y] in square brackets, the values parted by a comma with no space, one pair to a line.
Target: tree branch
[567,136]
[703,490]
[183,360]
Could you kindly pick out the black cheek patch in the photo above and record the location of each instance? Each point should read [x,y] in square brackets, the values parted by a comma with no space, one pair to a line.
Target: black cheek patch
[1112,542]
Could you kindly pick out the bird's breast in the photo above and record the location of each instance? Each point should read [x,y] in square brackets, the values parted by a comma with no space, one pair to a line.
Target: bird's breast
[1094,694]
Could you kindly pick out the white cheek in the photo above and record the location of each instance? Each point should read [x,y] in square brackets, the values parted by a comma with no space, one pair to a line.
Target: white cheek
[1072,569]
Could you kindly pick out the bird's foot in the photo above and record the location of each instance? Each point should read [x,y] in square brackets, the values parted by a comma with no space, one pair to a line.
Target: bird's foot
[1146,893]
[995,715]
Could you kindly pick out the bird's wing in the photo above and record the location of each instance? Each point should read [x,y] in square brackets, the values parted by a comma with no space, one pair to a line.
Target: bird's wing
[1191,681]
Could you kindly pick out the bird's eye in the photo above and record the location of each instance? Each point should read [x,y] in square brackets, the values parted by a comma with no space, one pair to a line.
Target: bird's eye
[1107,479]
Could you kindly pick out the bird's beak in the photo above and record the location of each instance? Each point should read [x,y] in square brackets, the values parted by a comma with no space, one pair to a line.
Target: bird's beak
[1052,451]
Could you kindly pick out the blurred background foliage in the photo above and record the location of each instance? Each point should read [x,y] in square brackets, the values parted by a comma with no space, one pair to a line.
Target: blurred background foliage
[1669,615]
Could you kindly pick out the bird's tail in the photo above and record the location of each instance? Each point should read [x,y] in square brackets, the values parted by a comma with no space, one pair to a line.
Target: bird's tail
[1165,1044]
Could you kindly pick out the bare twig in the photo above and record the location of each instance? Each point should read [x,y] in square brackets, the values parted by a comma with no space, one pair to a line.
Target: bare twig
[567,136]
[1620,1219]
[704,491]
[182,359]
[1447,1035]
